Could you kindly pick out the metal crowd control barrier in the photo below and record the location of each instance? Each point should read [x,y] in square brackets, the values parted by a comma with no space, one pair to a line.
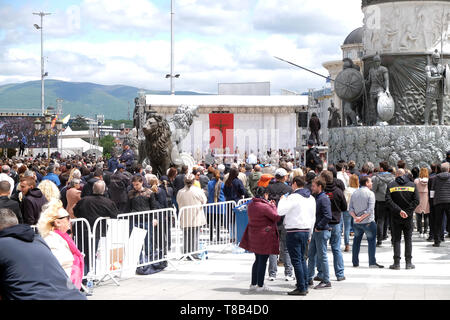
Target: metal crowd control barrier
[152,238]
[81,233]
[109,238]
[204,226]
[82,236]
[242,201]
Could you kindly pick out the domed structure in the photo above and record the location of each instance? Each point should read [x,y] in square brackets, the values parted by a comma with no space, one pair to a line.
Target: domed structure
[355,37]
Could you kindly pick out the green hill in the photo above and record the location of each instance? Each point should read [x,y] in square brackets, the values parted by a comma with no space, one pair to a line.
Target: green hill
[84,98]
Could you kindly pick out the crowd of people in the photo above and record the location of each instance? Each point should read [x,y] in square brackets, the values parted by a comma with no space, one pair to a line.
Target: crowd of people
[296,212]
[293,214]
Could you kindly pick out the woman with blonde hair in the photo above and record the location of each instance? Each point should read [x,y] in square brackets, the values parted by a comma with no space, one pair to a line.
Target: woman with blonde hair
[49,190]
[353,186]
[53,225]
[423,209]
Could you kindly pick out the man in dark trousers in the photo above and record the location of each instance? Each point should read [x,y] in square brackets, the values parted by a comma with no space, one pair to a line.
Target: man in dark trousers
[379,183]
[440,191]
[28,268]
[314,127]
[435,170]
[402,197]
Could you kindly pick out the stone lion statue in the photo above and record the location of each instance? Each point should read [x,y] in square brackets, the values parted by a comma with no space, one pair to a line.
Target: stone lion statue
[162,144]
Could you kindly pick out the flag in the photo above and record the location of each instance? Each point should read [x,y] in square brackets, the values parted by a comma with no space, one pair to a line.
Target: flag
[54,121]
[221,131]
[66,119]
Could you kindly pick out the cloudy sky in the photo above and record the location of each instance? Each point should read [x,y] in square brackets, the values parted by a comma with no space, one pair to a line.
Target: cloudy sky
[128,42]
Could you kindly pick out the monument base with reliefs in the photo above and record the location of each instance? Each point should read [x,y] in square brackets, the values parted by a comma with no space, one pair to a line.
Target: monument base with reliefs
[416,145]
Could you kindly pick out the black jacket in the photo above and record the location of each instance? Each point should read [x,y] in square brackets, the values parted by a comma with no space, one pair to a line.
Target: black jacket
[6,202]
[144,200]
[178,183]
[338,202]
[117,189]
[441,188]
[312,158]
[314,124]
[276,189]
[402,194]
[93,207]
[29,270]
[32,205]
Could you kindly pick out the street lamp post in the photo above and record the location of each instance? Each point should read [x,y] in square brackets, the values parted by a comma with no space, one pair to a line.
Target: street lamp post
[44,127]
[43,75]
[171,75]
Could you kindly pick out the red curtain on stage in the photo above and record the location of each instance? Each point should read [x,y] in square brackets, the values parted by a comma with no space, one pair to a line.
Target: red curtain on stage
[221,131]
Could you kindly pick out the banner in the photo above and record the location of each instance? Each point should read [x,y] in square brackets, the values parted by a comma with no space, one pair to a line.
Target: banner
[221,131]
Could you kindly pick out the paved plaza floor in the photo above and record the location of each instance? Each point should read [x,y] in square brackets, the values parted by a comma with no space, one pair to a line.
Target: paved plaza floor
[226,276]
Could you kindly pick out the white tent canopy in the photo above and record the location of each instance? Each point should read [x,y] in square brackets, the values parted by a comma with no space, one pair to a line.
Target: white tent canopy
[71,146]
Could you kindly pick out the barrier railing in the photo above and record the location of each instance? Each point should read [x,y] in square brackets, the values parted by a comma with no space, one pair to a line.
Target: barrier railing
[81,234]
[242,201]
[152,238]
[116,247]
[108,243]
[207,225]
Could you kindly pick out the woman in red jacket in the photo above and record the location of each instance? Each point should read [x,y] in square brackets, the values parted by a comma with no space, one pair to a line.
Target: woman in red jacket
[261,236]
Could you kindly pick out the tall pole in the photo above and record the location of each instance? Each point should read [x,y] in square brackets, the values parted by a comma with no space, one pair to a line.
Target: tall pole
[42,14]
[172,90]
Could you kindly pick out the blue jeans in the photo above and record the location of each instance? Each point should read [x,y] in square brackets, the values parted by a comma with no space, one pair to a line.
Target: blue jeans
[370,229]
[348,219]
[318,251]
[259,269]
[296,244]
[335,243]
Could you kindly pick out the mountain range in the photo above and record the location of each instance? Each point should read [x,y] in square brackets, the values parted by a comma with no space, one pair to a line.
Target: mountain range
[80,98]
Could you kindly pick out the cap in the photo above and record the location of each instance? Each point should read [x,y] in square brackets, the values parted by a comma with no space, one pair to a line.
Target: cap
[62,213]
[280,172]
[121,166]
[310,142]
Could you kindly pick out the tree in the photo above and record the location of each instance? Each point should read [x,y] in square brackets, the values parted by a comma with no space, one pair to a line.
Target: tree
[107,142]
[79,123]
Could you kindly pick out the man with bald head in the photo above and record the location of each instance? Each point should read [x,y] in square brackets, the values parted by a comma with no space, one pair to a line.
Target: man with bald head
[402,197]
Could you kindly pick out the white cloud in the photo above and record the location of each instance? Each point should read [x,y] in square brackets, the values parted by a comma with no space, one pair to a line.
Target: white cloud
[215,41]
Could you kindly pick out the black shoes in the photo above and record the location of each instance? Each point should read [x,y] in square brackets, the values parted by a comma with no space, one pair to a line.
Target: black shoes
[316,278]
[311,283]
[297,292]
[436,244]
[410,266]
[395,266]
[341,279]
[323,285]
[376,265]
[379,243]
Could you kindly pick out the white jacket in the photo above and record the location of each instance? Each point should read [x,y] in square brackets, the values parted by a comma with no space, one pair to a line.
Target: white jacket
[300,211]
[60,250]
